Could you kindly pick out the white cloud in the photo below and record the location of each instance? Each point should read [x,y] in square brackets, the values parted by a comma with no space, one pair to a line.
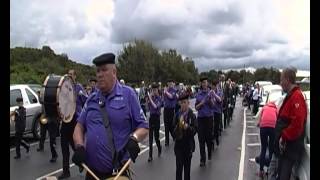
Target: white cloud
[216,34]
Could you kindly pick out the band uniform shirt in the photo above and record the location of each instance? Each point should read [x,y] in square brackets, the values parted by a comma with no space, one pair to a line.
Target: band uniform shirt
[217,106]
[206,109]
[170,102]
[157,100]
[125,116]
[81,99]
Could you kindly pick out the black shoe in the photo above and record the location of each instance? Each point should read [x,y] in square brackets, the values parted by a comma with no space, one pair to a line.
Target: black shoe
[149,159]
[159,151]
[202,164]
[40,149]
[53,159]
[64,175]
[17,157]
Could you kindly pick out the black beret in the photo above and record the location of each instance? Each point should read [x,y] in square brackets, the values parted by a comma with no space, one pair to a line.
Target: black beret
[19,99]
[183,96]
[203,78]
[107,58]
[154,85]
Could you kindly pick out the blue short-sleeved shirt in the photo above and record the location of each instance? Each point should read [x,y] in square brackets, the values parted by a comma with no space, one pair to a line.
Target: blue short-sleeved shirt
[125,115]
[205,110]
[157,101]
[81,99]
[170,102]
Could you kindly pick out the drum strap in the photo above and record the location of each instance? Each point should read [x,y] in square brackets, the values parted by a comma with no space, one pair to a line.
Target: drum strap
[107,125]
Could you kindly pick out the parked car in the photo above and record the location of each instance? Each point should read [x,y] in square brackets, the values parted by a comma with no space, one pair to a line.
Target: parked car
[35,87]
[269,89]
[263,83]
[32,105]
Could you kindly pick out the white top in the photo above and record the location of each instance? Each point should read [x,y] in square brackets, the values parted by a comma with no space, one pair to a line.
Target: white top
[256,94]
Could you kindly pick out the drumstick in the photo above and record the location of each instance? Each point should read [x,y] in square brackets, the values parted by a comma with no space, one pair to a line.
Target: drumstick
[92,174]
[122,169]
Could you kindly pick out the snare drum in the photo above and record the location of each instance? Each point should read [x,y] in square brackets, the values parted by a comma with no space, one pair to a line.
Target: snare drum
[59,98]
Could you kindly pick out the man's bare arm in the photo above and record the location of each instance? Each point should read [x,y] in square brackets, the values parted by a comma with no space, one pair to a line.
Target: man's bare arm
[78,135]
[141,134]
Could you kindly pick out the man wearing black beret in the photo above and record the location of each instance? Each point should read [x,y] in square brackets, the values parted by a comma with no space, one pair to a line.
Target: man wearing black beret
[112,122]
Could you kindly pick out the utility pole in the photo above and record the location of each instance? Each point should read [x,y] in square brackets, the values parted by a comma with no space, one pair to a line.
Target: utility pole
[244,68]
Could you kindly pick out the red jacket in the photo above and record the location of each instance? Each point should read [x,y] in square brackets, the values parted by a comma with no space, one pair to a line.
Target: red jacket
[294,110]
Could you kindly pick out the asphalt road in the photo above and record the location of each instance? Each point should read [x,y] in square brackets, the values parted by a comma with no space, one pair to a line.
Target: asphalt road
[225,164]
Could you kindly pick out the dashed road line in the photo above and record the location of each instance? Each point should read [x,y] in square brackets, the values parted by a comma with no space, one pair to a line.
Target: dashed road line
[253,134]
[253,144]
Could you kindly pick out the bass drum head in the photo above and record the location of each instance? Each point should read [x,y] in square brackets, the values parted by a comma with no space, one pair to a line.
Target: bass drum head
[66,99]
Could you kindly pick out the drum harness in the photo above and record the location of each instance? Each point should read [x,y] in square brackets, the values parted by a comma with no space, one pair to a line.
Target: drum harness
[115,155]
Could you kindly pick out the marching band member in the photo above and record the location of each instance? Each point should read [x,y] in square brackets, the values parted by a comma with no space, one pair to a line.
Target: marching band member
[185,128]
[154,103]
[205,120]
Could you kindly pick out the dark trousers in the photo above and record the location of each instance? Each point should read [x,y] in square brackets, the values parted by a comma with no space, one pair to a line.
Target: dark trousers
[143,107]
[267,140]
[225,118]
[66,140]
[285,168]
[168,114]
[216,126]
[183,163]
[20,141]
[255,106]
[221,124]
[154,127]
[205,136]
[52,128]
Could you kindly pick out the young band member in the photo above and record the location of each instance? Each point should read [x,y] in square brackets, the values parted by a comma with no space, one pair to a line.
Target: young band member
[154,103]
[185,128]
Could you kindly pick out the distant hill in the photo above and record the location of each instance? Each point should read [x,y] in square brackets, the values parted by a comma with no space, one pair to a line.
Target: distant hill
[31,66]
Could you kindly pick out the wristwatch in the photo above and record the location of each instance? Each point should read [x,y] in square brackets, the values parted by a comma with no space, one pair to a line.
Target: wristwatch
[135,137]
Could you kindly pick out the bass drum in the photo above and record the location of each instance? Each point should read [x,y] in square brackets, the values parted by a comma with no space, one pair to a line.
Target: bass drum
[59,98]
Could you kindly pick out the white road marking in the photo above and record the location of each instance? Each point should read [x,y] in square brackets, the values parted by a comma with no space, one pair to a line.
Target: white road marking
[252,160]
[243,147]
[250,121]
[154,144]
[71,165]
[253,134]
[142,145]
[32,144]
[52,173]
[253,144]
[251,127]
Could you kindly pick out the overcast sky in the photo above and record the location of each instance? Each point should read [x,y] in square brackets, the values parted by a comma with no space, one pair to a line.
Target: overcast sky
[216,34]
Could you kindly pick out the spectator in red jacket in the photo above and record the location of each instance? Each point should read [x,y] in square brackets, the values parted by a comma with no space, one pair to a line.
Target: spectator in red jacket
[289,130]
[267,123]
